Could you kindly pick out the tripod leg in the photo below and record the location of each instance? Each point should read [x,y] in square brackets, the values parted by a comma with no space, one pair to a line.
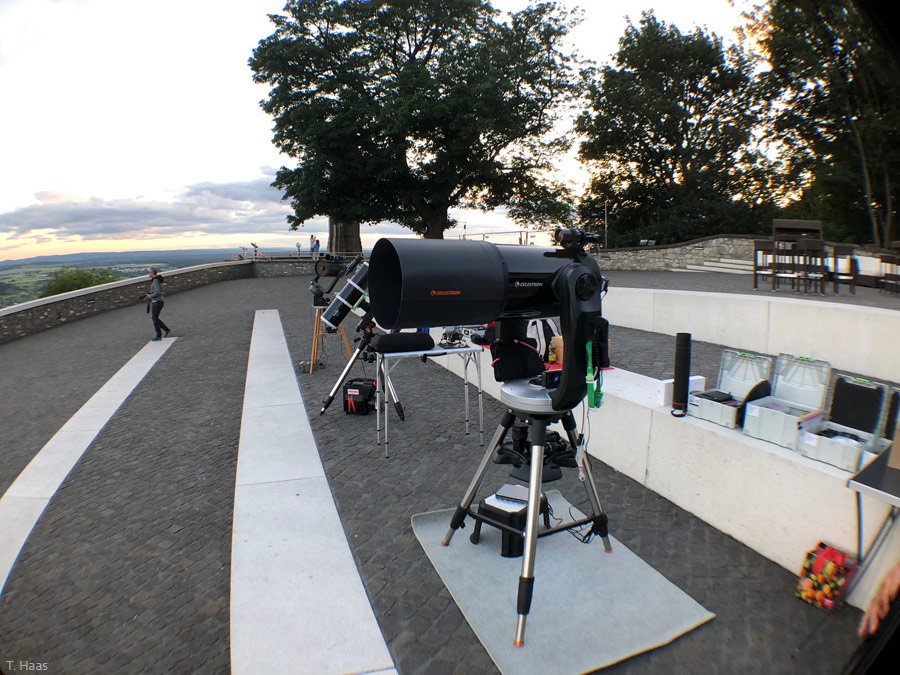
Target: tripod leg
[317,337]
[526,579]
[600,525]
[346,341]
[340,381]
[460,514]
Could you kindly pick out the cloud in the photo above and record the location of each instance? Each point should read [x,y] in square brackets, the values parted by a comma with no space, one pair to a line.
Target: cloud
[209,208]
[257,191]
[214,212]
[54,197]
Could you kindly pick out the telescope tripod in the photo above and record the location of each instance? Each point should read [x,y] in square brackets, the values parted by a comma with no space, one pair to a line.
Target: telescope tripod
[319,335]
[364,351]
[537,416]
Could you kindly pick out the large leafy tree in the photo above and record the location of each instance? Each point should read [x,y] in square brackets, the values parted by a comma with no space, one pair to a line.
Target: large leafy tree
[672,138]
[401,110]
[839,88]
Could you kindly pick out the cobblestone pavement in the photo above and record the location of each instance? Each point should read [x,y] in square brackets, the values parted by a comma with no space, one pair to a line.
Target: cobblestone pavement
[128,569]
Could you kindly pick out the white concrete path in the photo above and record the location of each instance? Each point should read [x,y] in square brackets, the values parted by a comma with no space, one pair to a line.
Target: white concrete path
[297,601]
[25,500]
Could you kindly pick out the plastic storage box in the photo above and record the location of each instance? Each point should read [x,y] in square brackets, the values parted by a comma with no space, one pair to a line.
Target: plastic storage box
[796,401]
[739,374]
[852,425]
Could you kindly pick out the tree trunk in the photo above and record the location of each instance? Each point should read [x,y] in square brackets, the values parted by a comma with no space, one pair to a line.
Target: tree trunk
[435,229]
[433,217]
[343,237]
[888,224]
[867,183]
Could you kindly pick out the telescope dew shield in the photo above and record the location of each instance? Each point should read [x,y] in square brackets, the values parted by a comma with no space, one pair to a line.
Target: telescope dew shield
[346,300]
[426,282]
[423,283]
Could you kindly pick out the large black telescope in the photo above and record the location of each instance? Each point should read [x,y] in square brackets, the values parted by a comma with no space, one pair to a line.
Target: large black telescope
[418,283]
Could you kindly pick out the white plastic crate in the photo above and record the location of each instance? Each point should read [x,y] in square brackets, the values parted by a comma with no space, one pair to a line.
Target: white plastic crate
[795,404]
[851,427]
[739,373]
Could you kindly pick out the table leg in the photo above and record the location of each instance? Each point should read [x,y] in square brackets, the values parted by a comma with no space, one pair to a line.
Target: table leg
[477,357]
[465,360]
[378,385]
[385,375]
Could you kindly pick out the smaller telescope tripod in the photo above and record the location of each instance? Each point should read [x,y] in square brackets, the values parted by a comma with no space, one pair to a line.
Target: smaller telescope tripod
[319,335]
[531,404]
[363,350]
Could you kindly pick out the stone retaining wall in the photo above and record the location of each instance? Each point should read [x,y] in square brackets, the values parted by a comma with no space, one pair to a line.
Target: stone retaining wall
[677,256]
[28,318]
[266,269]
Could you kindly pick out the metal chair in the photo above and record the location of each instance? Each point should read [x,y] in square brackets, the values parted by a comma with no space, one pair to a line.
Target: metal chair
[787,265]
[763,261]
[890,273]
[845,267]
[812,265]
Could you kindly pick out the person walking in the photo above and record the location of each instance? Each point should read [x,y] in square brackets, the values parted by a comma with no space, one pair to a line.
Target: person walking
[157,299]
[316,250]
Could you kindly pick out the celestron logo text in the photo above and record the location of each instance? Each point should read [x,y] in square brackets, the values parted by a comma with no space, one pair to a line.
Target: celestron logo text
[435,292]
[528,284]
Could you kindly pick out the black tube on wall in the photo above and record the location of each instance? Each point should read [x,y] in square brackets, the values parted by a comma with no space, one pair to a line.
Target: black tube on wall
[681,383]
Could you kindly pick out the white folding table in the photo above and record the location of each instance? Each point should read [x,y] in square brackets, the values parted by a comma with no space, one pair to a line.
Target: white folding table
[881,482]
[386,362]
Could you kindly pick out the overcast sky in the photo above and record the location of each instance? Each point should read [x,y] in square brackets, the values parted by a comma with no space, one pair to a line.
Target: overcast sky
[129,125]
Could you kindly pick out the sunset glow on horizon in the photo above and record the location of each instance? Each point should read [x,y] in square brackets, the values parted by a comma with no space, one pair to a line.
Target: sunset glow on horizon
[116,139]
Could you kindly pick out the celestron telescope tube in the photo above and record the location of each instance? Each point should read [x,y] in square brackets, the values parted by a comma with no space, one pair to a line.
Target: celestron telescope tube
[425,282]
[346,300]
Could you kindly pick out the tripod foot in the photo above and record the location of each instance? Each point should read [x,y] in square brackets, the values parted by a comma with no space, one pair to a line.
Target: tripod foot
[600,527]
[523,605]
[456,522]
[520,632]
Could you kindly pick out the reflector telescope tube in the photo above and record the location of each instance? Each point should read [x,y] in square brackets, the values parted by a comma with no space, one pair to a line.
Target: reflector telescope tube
[346,300]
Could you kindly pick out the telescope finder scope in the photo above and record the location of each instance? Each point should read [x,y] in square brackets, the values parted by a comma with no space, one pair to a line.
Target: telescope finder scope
[574,238]
[330,266]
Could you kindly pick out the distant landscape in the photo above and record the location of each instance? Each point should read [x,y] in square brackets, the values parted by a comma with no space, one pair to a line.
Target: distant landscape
[23,280]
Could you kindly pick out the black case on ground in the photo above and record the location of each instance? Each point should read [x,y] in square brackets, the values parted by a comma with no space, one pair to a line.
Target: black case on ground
[511,545]
[359,396]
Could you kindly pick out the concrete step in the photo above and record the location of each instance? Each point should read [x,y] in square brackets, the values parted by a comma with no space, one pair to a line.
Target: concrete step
[728,267]
[718,267]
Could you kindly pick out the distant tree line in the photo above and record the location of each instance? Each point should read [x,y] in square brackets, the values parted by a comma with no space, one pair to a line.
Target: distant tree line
[401,111]
[68,279]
